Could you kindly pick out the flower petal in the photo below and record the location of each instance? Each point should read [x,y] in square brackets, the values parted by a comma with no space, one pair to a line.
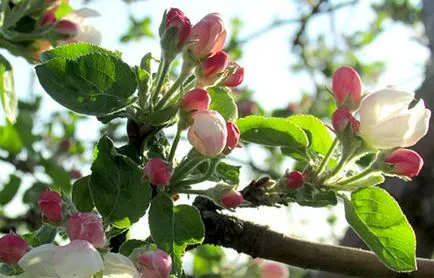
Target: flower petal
[39,261]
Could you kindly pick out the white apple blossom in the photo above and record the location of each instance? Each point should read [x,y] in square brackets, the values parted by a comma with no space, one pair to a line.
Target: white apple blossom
[39,261]
[119,266]
[77,259]
[86,33]
[387,122]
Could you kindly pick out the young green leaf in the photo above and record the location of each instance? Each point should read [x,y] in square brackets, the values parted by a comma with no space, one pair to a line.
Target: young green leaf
[93,84]
[10,140]
[128,246]
[378,220]
[9,190]
[174,227]
[223,102]
[75,50]
[319,136]
[81,196]
[224,172]
[272,132]
[116,186]
[7,91]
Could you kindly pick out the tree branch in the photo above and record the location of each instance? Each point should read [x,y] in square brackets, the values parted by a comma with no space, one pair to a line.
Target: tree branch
[260,241]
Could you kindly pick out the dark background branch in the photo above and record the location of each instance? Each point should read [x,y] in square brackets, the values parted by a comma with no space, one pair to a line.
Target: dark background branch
[260,241]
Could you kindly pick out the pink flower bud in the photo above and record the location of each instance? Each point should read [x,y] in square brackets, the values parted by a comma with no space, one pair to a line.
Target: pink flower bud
[215,64]
[342,118]
[12,248]
[208,36]
[246,107]
[405,162]
[48,19]
[155,264]
[158,171]
[235,78]
[208,133]
[233,135]
[347,88]
[294,179]
[269,269]
[67,28]
[231,199]
[195,100]
[50,204]
[86,226]
[175,18]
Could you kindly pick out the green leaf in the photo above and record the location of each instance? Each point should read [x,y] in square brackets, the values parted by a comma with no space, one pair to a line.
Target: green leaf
[310,195]
[10,140]
[223,102]
[128,246]
[377,218]
[45,234]
[75,50]
[60,177]
[93,84]
[207,260]
[63,9]
[224,172]
[320,138]
[7,91]
[116,186]
[166,116]
[81,196]
[174,227]
[9,190]
[272,132]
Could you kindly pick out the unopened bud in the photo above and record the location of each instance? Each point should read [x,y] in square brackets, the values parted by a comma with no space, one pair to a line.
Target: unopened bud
[233,135]
[48,19]
[195,100]
[208,133]
[157,171]
[156,264]
[174,32]
[347,88]
[236,78]
[215,64]
[344,122]
[294,179]
[50,204]
[12,248]
[86,226]
[232,199]
[208,36]
[405,162]
[66,28]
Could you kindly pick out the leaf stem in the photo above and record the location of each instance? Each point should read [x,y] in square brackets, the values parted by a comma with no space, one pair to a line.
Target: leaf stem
[357,177]
[211,168]
[327,156]
[163,69]
[174,145]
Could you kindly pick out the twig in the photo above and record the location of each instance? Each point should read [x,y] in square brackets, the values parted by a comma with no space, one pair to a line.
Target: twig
[260,241]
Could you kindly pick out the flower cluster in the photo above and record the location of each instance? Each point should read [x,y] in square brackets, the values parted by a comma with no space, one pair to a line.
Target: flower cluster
[210,134]
[50,28]
[86,253]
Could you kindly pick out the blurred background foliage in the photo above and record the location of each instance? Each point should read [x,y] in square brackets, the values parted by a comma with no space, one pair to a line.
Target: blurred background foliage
[44,150]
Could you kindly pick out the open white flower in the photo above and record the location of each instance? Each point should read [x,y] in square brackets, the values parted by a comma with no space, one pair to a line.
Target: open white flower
[39,261]
[387,122]
[77,259]
[86,33]
[119,266]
